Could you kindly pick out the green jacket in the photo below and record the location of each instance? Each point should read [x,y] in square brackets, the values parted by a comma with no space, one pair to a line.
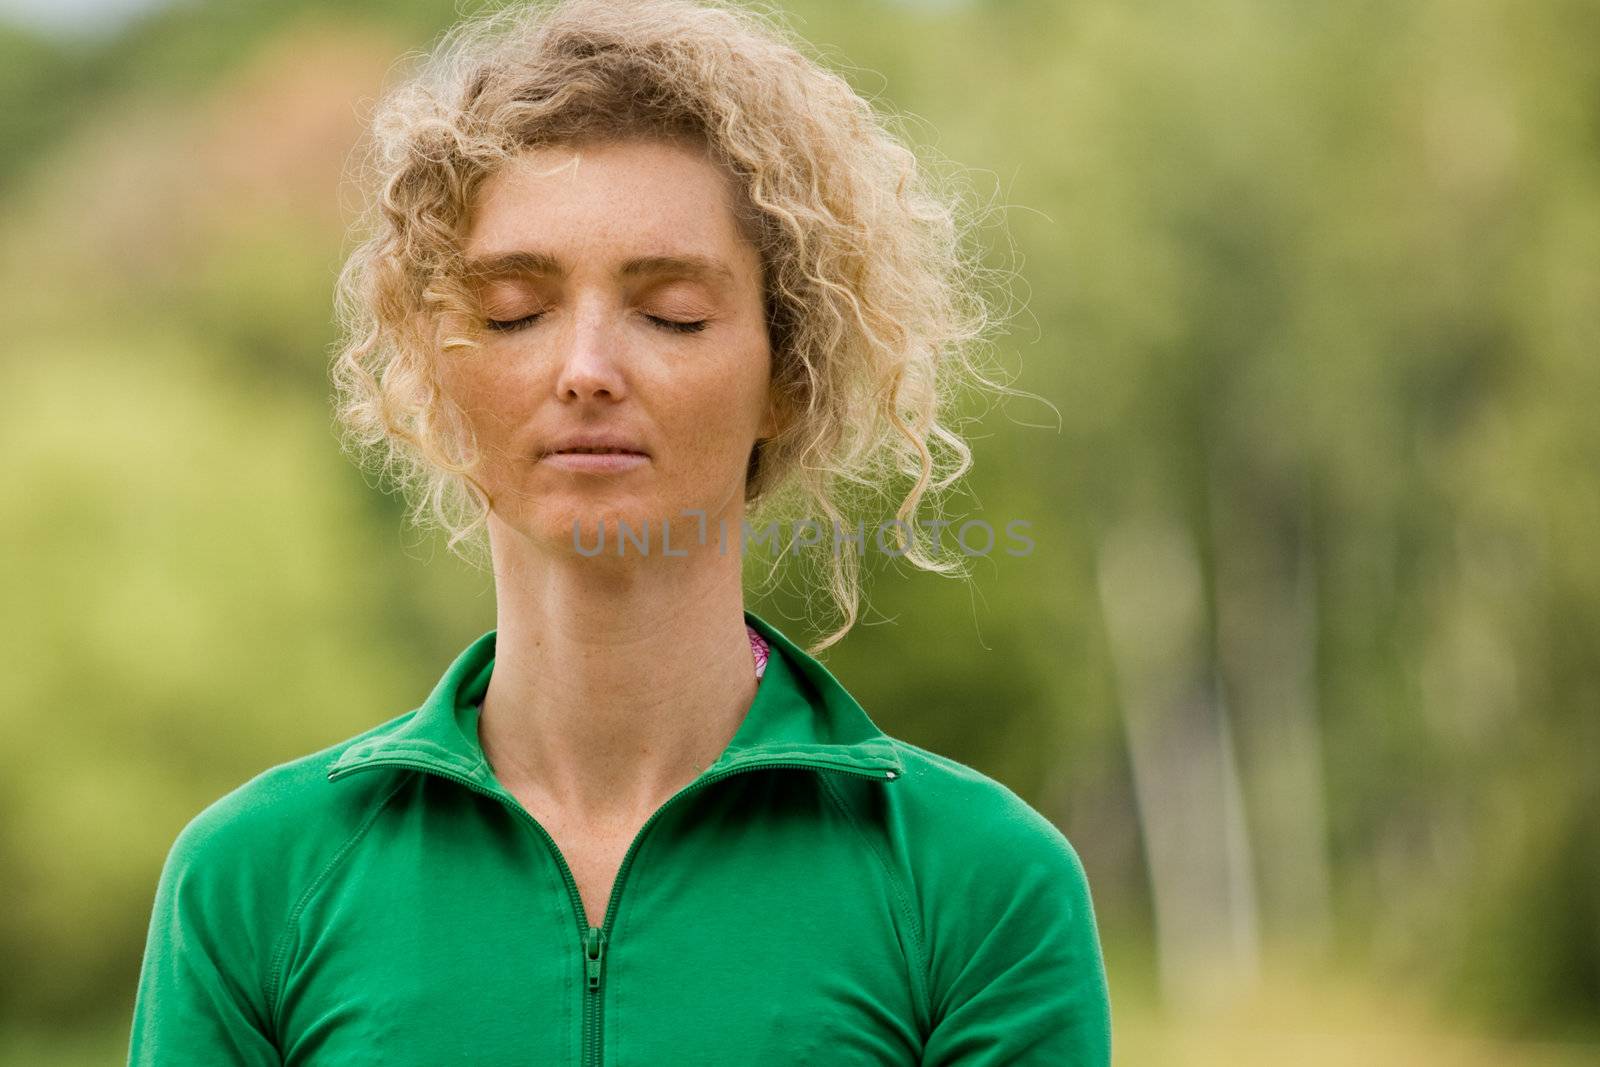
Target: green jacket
[821,893]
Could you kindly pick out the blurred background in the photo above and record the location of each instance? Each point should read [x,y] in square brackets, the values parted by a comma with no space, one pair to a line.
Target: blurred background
[1304,659]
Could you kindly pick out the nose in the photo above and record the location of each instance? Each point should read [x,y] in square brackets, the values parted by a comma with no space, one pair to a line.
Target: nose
[589,367]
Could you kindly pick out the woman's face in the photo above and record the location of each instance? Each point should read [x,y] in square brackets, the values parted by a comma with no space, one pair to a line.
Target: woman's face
[622,301]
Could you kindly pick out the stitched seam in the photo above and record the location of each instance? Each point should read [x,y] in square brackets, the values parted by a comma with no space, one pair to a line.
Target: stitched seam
[275,975]
[906,911]
[420,749]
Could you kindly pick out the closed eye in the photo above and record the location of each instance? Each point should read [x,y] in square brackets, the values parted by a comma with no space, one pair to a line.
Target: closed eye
[679,327]
[506,325]
[509,325]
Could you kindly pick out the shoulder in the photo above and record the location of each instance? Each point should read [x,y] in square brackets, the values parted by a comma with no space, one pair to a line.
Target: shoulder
[225,899]
[959,813]
[989,871]
[254,845]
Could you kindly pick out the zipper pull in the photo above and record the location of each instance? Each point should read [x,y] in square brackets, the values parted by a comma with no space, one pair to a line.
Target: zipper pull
[593,952]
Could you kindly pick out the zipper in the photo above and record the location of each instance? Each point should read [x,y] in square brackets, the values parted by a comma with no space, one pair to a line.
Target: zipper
[593,955]
[593,939]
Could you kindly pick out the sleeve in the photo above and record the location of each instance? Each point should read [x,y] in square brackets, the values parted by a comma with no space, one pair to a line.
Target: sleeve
[1017,976]
[200,998]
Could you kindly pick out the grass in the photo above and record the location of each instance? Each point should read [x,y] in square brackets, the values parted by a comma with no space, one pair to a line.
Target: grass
[1321,1023]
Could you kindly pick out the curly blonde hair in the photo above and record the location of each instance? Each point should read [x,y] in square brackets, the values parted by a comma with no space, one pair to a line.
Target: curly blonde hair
[875,313]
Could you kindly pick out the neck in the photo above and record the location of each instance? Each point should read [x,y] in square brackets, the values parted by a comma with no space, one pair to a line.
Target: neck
[613,686]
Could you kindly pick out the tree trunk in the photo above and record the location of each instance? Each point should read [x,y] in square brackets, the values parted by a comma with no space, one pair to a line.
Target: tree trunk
[1185,783]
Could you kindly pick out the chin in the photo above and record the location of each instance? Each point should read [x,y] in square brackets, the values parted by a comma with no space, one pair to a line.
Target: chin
[645,529]
[578,530]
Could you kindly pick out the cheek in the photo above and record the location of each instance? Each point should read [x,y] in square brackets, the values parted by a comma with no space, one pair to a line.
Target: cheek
[488,395]
[729,391]
[714,419]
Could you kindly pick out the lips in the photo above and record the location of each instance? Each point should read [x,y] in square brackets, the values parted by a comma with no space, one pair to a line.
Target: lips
[595,443]
[608,462]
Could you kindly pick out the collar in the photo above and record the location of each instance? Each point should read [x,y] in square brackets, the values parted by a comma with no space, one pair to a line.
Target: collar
[801,716]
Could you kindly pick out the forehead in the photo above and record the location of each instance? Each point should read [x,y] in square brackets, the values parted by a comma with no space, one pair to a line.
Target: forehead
[636,197]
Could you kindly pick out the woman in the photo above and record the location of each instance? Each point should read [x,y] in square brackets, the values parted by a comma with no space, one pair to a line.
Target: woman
[635,269]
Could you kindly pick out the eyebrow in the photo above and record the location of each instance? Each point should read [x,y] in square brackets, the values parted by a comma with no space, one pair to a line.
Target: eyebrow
[524,263]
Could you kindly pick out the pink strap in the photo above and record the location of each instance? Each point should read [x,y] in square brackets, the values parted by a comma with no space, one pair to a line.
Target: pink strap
[758,648]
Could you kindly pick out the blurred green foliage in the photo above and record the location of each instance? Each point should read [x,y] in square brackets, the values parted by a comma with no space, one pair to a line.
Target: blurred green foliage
[1316,278]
